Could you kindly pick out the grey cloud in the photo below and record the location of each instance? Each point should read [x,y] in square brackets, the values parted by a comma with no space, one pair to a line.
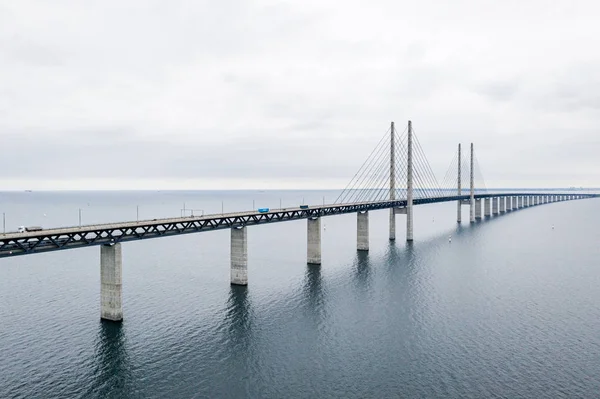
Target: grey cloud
[253,90]
[500,91]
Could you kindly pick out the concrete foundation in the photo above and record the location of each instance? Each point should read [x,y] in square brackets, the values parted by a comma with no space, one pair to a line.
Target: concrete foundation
[487,207]
[239,256]
[458,211]
[362,231]
[477,209]
[314,241]
[111,289]
[495,205]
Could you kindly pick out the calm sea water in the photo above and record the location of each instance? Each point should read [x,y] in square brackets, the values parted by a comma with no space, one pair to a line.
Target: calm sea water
[510,308]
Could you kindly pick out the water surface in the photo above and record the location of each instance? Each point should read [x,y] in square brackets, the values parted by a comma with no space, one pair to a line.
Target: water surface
[508,308]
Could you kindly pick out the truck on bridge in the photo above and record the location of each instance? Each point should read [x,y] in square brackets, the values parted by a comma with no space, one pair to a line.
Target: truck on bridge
[23,229]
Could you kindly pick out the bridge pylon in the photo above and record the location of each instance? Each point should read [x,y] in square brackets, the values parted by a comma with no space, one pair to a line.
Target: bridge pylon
[472,199]
[392,182]
[459,202]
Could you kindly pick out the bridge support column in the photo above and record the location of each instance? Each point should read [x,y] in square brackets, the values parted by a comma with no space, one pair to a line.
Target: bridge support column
[314,241]
[509,206]
[502,202]
[495,207]
[111,289]
[487,207]
[520,201]
[392,224]
[239,256]
[478,208]
[362,231]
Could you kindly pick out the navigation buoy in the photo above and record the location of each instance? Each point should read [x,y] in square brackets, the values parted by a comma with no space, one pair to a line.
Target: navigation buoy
[552,227]
[450,239]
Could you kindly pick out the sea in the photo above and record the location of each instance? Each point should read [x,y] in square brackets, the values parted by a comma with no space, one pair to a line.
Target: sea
[507,307]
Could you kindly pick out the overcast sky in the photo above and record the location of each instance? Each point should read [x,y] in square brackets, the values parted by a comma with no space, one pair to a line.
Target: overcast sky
[268,94]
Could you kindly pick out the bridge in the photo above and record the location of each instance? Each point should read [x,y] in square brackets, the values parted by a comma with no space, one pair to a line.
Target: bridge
[395,176]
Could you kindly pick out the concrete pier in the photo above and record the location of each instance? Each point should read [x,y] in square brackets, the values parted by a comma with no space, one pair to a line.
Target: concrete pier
[362,231]
[487,207]
[520,201]
[314,241]
[392,224]
[239,256]
[478,208]
[509,206]
[111,289]
[495,207]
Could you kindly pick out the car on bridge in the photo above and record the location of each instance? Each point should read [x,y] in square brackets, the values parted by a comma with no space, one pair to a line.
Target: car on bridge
[25,229]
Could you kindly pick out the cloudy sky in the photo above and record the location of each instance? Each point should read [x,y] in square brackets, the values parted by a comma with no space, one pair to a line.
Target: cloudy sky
[270,94]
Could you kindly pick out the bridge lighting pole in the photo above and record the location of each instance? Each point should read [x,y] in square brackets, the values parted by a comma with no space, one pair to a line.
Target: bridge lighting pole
[3,223]
[409,186]
[79,217]
[458,211]
[472,199]
[392,183]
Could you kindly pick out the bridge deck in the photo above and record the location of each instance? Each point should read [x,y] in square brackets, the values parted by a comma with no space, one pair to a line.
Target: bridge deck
[13,244]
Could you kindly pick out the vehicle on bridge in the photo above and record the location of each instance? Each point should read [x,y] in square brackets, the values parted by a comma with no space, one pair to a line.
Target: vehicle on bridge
[303,206]
[24,229]
[263,210]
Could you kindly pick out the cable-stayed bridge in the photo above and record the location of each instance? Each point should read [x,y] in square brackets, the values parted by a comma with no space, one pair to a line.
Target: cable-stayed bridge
[395,176]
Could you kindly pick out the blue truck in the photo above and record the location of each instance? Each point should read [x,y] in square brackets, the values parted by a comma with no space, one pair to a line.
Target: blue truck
[263,210]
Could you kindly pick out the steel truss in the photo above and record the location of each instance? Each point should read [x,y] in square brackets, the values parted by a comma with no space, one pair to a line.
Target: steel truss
[15,244]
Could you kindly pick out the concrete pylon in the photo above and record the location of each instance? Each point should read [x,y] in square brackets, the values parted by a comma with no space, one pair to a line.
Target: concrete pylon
[392,183]
[362,231]
[111,287]
[239,256]
[459,202]
[313,241]
[472,199]
[409,186]
[495,205]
